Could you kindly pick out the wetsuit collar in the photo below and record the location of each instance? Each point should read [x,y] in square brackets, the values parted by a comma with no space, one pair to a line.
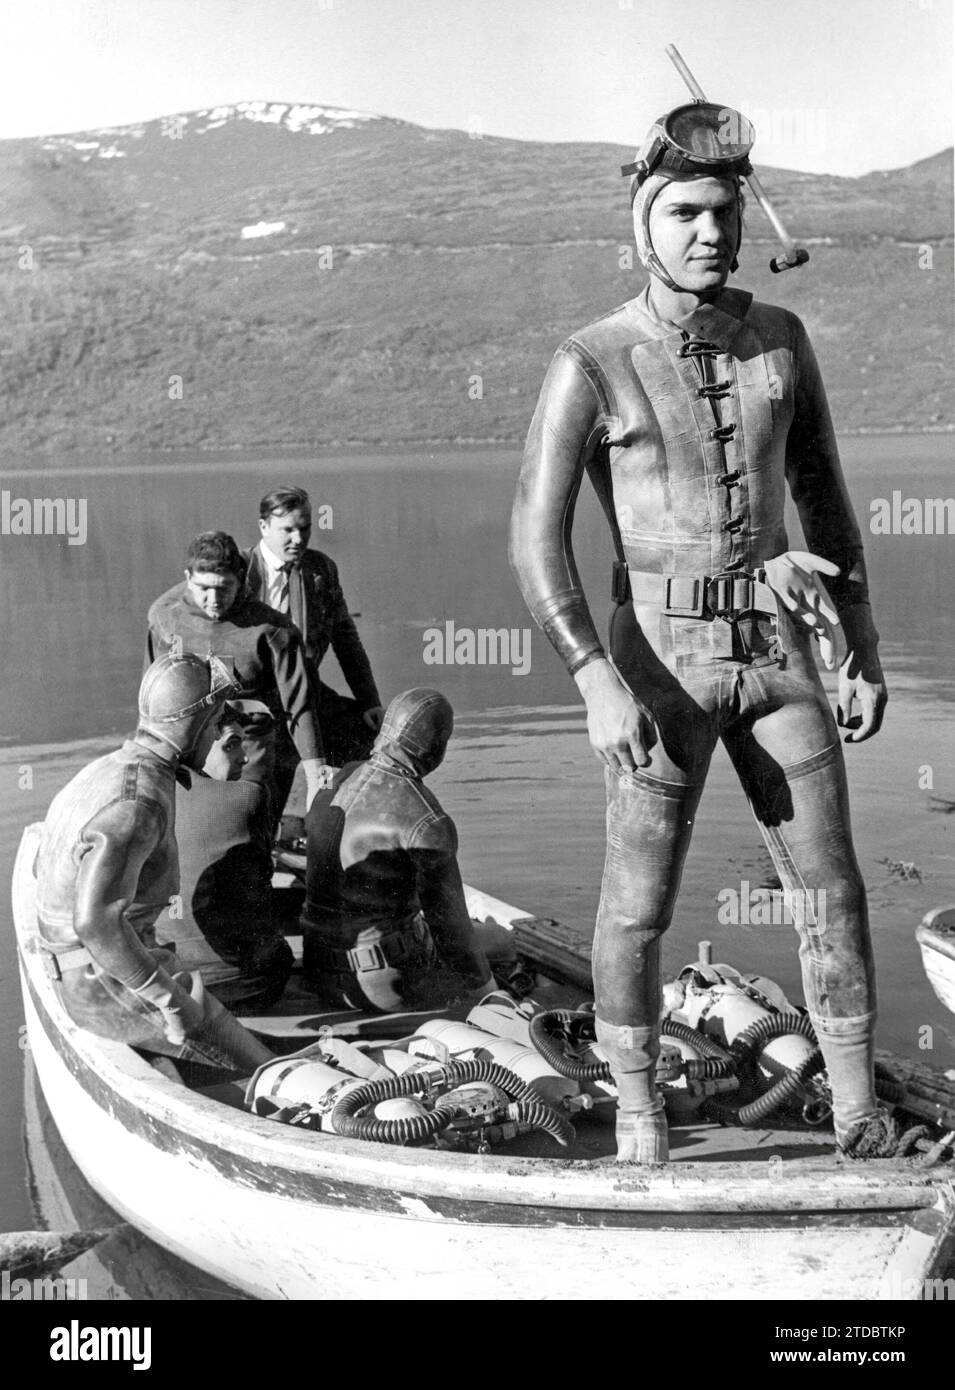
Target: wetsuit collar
[142,746]
[397,760]
[717,322]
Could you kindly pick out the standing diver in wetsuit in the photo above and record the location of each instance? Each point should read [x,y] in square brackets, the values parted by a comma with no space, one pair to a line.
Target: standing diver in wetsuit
[691,407]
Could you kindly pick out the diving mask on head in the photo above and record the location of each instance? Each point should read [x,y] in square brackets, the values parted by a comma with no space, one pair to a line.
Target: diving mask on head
[702,140]
[699,138]
[697,141]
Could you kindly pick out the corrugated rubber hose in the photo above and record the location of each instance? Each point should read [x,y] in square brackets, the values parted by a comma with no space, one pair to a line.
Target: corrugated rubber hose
[543,1026]
[346,1121]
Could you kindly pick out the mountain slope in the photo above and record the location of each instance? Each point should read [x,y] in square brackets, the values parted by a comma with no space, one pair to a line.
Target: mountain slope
[316,276]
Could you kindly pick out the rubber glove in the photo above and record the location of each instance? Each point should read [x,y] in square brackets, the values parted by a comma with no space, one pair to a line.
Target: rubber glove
[796,579]
[181,1013]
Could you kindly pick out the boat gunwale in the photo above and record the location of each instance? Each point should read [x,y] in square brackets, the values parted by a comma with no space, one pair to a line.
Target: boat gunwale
[123,1083]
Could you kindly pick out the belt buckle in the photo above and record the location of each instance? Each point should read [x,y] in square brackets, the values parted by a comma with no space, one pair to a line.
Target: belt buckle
[684,610]
[366,958]
[721,595]
[51,965]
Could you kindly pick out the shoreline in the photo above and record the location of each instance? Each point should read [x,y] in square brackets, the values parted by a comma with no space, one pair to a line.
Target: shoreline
[48,461]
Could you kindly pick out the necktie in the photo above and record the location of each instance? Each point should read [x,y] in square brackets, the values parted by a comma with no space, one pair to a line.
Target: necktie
[293,595]
[283,603]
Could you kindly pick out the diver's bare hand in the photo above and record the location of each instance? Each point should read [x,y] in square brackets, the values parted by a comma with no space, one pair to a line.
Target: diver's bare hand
[621,729]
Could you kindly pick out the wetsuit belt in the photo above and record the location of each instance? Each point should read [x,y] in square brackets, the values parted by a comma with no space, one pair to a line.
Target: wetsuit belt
[58,962]
[390,949]
[701,595]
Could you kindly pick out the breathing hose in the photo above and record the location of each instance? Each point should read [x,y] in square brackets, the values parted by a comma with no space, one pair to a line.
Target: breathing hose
[758,1034]
[346,1121]
[752,1040]
[784,1089]
[755,1037]
[714,1063]
[548,1047]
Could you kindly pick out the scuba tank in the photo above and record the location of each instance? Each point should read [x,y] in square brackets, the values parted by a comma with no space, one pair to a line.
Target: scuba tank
[390,1095]
[317,1078]
[723,1004]
[501,1014]
[720,1031]
[288,1082]
[513,1050]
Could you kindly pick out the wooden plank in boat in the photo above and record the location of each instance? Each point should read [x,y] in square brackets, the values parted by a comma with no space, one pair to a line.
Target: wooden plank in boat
[307,1027]
[557,950]
[929,1093]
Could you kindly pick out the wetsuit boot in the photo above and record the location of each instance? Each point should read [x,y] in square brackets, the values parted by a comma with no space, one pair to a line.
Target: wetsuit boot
[641,1119]
[863,1128]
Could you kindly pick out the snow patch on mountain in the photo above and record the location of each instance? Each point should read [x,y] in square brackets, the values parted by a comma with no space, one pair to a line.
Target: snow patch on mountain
[89,149]
[316,120]
[107,142]
[257,229]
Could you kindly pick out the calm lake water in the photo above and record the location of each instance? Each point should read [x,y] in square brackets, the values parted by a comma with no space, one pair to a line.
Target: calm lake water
[420,542]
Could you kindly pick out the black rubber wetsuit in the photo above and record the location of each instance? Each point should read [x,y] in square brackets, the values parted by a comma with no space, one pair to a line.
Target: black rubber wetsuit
[690,432]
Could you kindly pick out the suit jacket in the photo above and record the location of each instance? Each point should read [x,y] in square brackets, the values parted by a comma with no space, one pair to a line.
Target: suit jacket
[327,620]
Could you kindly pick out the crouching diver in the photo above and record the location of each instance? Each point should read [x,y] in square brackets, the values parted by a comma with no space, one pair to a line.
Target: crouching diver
[385,903]
[690,408]
[230,921]
[108,865]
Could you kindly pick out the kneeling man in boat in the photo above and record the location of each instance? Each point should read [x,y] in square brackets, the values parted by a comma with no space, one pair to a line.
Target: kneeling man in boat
[229,919]
[385,925]
[691,407]
[211,614]
[107,867]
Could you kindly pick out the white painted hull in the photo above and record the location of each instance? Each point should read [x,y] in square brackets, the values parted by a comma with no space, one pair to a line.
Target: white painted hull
[280,1213]
[936,938]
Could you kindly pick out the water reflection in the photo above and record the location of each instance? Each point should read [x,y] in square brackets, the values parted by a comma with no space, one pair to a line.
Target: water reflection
[419,541]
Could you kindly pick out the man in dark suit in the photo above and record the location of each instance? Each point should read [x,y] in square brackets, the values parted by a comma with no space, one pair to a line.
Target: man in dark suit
[303,583]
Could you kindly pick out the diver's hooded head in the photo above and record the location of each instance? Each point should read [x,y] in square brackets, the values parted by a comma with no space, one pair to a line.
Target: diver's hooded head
[177,698]
[415,731]
[695,141]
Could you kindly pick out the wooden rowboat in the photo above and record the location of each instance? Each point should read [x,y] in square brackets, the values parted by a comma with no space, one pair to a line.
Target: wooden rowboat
[278,1212]
[936,938]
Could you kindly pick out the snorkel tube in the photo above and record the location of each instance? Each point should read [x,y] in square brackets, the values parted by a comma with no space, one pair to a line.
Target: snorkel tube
[793,255]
